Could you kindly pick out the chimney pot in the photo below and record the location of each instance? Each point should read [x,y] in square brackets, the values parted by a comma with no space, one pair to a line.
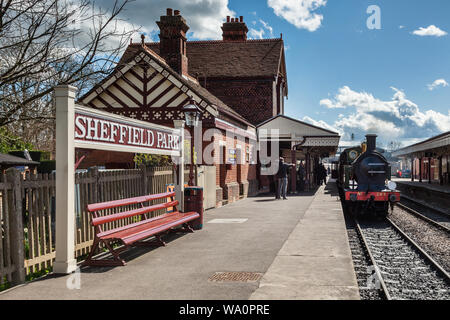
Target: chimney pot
[143,39]
[234,29]
[172,45]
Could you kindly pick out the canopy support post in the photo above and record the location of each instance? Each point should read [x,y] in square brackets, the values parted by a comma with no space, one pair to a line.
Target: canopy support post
[179,183]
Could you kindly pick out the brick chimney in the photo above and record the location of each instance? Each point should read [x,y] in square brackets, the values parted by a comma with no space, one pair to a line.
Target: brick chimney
[172,45]
[234,29]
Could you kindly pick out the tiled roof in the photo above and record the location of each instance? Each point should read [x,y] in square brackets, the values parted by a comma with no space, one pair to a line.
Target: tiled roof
[251,58]
[129,55]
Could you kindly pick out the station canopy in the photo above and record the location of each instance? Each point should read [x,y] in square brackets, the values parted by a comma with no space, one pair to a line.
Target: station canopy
[435,146]
[299,135]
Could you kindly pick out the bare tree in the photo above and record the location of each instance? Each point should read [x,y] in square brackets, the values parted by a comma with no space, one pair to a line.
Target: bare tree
[44,43]
[395,145]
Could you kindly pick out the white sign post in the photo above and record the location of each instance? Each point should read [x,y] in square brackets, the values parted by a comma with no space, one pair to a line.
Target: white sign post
[82,127]
[65,261]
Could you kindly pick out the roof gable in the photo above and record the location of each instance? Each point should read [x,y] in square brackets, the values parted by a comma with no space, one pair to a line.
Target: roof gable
[291,126]
[146,83]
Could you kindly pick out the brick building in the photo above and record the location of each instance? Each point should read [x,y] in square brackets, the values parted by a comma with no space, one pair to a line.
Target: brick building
[236,82]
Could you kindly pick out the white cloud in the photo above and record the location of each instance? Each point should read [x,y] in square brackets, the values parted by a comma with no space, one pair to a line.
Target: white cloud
[255,33]
[267,27]
[438,83]
[322,124]
[396,119]
[300,13]
[430,31]
[204,17]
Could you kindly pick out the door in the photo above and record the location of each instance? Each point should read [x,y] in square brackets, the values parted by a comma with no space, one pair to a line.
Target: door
[207,180]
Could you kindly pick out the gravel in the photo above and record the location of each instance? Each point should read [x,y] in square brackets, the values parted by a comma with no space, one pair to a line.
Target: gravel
[433,240]
[362,263]
[406,274]
[428,212]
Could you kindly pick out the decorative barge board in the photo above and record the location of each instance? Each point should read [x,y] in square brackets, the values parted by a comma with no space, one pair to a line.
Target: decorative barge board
[146,88]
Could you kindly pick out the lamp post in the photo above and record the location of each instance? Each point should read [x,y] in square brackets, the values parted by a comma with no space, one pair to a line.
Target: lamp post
[192,116]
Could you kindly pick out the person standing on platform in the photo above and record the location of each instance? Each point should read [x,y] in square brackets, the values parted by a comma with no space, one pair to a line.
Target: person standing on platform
[322,174]
[282,176]
[316,172]
[301,177]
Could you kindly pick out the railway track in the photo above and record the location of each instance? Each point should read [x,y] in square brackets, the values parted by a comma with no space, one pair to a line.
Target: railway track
[402,270]
[438,220]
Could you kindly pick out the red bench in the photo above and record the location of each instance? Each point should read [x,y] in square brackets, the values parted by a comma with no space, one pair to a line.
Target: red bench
[133,233]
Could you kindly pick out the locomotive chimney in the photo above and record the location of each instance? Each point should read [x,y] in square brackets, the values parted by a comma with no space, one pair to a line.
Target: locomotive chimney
[371,142]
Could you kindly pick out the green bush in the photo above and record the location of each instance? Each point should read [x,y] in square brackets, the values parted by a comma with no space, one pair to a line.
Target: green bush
[152,160]
[46,166]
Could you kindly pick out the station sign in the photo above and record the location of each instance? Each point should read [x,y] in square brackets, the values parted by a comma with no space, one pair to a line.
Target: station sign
[93,128]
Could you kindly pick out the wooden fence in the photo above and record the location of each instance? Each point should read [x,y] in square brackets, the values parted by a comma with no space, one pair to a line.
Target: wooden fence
[27,213]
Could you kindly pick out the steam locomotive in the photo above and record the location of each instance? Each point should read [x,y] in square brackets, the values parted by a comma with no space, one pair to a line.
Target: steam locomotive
[363,181]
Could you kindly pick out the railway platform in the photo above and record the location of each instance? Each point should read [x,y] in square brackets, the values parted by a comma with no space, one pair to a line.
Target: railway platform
[295,248]
[434,195]
[424,184]
[315,262]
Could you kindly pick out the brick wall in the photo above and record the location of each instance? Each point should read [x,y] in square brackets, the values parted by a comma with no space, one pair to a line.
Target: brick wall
[109,159]
[253,99]
[234,180]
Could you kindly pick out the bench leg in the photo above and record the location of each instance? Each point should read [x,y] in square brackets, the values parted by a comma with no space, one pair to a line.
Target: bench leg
[158,240]
[103,263]
[91,253]
[188,228]
[115,254]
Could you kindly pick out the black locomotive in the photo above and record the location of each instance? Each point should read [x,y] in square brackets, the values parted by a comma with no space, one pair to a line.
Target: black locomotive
[363,176]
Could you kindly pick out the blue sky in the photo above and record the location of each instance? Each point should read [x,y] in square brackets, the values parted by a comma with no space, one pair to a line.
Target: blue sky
[341,74]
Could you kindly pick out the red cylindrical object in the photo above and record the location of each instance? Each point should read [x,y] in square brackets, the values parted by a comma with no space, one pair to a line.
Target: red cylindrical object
[193,201]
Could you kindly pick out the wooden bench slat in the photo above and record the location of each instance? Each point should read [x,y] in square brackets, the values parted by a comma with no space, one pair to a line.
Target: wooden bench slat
[126,233]
[174,222]
[119,203]
[128,226]
[132,213]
